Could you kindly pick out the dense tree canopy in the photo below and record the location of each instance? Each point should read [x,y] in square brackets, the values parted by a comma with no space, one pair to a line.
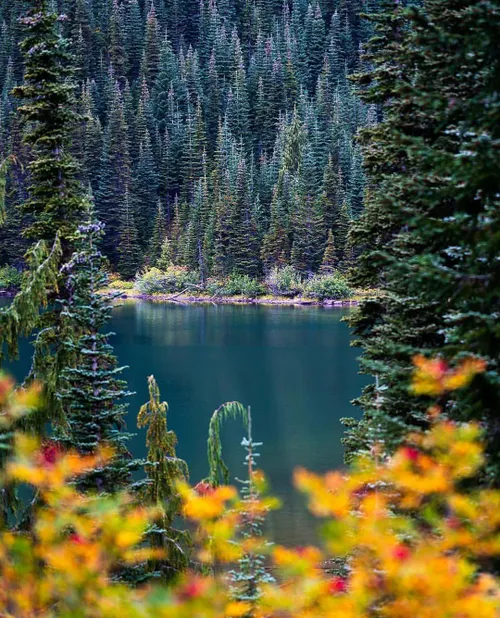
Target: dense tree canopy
[196,104]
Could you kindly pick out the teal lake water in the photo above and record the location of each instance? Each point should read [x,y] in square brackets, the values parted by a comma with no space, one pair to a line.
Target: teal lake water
[294,366]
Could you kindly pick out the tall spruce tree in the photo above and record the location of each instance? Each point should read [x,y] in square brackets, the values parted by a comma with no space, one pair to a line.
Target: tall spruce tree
[129,249]
[431,229]
[48,112]
[92,391]
[56,198]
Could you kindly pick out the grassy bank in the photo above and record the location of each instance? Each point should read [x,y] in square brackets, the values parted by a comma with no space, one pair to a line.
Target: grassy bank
[283,286]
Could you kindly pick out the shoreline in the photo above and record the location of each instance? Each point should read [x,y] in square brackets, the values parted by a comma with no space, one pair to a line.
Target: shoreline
[188,299]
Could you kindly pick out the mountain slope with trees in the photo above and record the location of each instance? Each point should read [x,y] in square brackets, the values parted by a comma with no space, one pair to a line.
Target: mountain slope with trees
[225,129]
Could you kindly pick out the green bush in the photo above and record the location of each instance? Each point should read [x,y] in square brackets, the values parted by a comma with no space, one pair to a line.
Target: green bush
[118,284]
[174,279]
[327,287]
[284,281]
[10,278]
[236,285]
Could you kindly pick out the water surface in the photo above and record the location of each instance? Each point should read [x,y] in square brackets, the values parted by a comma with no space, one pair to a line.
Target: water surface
[293,366]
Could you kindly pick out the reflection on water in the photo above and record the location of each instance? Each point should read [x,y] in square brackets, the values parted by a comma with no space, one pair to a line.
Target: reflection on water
[294,367]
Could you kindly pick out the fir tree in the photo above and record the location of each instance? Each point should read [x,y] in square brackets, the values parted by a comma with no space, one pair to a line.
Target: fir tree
[163,470]
[308,235]
[115,174]
[55,197]
[248,578]
[152,45]
[117,52]
[55,202]
[91,391]
[427,240]
[129,249]
[157,237]
[329,263]
[166,257]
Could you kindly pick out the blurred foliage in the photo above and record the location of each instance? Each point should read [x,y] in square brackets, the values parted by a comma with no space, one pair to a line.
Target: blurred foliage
[416,540]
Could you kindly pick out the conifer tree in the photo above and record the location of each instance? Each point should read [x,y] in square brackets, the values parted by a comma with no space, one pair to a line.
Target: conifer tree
[332,194]
[247,579]
[115,174]
[55,201]
[166,257]
[92,391]
[134,40]
[117,52]
[152,46]
[158,236]
[144,191]
[129,249]
[329,263]
[427,239]
[308,235]
[163,470]
[343,230]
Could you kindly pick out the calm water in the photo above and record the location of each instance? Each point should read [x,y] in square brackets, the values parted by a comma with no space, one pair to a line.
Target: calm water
[294,367]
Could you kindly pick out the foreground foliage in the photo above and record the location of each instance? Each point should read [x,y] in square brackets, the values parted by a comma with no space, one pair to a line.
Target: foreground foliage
[416,540]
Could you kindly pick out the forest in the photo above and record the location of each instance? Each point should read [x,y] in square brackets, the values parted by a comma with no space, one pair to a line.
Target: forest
[214,136]
[323,148]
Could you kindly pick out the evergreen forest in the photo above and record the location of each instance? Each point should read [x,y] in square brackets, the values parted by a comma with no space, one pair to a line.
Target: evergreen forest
[223,133]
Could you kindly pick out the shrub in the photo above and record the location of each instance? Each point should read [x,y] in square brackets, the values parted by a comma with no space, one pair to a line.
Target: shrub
[418,540]
[10,278]
[118,284]
[284,281]
[236,285]
[173,279]
[331,287]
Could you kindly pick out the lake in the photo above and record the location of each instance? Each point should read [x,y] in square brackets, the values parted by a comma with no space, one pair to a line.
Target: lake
[293,365]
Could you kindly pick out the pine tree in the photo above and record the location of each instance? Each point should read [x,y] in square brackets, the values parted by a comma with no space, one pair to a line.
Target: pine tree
[158,236]
[163,470]
[115,175]
[329,263]
[427,240]
[129,249]
[251,574]
[55,198]
[91,390]
[55,202]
